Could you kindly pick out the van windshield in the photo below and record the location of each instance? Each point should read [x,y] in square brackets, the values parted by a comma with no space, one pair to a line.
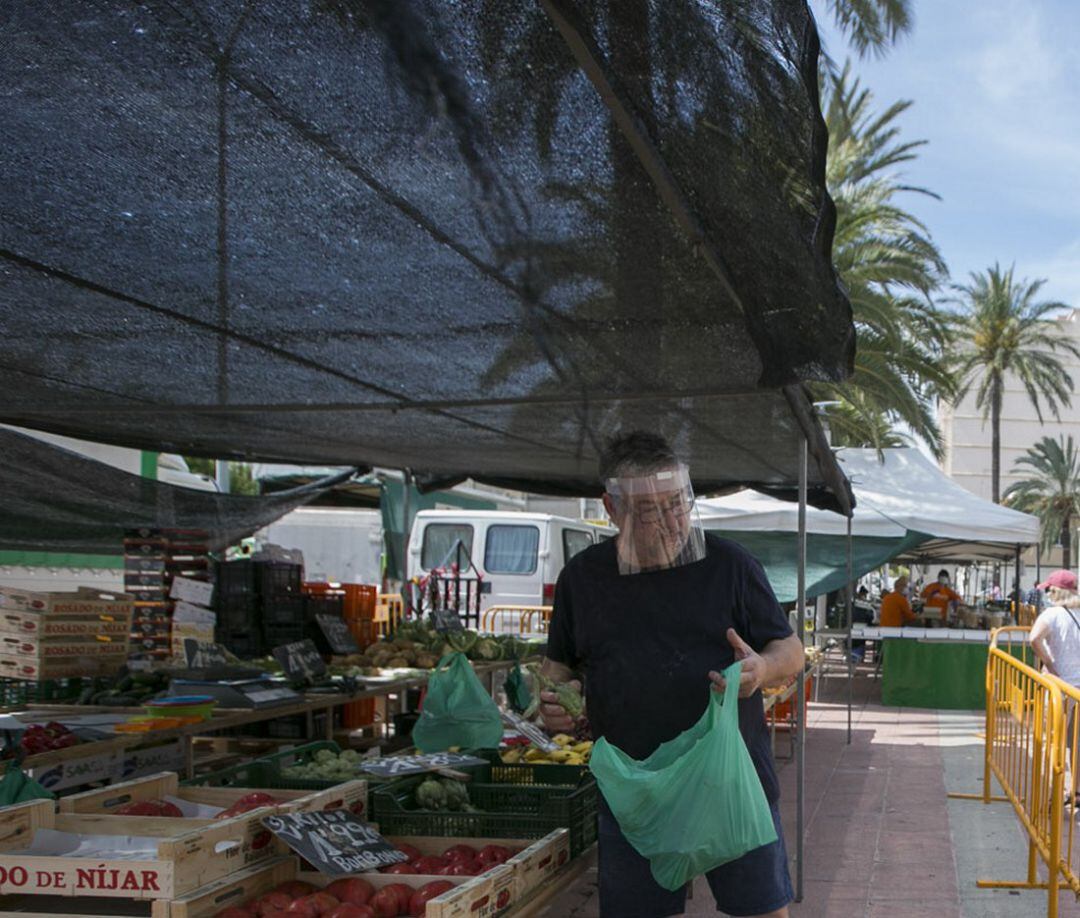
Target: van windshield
[511,549]
[439,541]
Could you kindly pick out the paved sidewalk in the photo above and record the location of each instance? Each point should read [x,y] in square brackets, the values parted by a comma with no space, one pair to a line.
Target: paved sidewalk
[882,836]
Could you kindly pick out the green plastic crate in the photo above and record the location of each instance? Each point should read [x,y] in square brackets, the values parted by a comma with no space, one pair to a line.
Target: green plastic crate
[510,809]
[267,770]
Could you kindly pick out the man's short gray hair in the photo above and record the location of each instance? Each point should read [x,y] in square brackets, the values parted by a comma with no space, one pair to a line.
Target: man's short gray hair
[636,453]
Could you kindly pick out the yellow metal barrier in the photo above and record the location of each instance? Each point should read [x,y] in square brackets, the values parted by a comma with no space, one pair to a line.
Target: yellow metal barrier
[1070,858]
[1025,747]
[389,610]
[526,614]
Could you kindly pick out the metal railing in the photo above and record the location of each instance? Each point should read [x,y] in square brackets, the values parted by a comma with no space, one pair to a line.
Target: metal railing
[525,623]
[1025,752]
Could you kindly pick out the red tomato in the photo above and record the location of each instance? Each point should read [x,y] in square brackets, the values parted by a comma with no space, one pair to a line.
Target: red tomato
[323,902]
[494,854]
[398,868]
[412,852]
[419,899]
[503,900]
[460,853]
[459,869]
[404,894]
[429,864]
[273,902]
[351,911]
[351,890]
[385,903]
[303,908]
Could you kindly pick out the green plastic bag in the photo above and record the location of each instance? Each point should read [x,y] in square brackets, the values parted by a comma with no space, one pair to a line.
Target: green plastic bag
[697,801]
[457,710]
[517,691]
[16,787]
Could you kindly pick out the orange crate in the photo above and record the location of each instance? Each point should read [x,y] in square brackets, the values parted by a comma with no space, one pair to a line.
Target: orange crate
[358,713]
[781,713]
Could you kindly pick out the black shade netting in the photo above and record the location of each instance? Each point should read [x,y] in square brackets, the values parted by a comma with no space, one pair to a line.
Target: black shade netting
[59,501]
[412,234]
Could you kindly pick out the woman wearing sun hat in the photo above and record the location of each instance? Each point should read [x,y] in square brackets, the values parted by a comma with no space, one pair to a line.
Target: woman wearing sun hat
[1055,638]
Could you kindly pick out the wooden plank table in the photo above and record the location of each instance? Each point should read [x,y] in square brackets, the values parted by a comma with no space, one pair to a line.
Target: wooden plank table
[222,719]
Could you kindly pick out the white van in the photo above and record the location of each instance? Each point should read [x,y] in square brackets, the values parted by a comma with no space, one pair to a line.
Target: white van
[518,554]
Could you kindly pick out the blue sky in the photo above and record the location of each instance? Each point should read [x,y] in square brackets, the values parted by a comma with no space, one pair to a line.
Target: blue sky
[996,92]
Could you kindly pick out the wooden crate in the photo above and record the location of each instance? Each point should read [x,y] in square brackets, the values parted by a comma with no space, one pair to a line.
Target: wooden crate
[83,601]
[62,625]
[34,657]
[190,853]
[350,795]
[527,870]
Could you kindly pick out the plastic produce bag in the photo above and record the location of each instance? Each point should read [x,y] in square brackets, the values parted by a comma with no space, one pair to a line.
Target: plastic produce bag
[16,787]
[517,691]
[457,710]
[697,801]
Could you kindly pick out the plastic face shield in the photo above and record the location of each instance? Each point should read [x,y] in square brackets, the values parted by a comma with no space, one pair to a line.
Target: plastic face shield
[658,522]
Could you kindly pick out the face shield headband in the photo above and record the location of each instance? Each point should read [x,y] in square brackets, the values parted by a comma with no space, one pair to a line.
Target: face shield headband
[659,526]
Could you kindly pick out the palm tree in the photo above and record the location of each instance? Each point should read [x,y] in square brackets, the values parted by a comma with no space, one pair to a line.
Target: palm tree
[1052,492]
[1004,333]
[872,26]
[890,267]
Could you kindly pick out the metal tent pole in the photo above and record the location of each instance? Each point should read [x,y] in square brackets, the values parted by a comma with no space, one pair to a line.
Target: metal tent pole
[406,588]
[800,697]
[1016,608]
[850,614]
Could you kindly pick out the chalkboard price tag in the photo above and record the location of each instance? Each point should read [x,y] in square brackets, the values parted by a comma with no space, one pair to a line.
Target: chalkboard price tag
[300,660]
[446,620]
[394,765]
[337,633]
[336,842]
[203,655]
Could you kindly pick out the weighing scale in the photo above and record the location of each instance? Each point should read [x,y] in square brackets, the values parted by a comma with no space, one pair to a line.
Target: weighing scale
[238,693]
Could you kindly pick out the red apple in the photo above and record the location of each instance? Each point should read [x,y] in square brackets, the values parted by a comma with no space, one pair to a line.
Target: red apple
[351,890]
[419,899]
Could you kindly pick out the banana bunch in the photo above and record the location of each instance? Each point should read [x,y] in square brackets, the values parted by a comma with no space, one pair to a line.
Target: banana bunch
[568,753]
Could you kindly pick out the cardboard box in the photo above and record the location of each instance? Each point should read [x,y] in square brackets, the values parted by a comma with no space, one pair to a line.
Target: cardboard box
[83,601]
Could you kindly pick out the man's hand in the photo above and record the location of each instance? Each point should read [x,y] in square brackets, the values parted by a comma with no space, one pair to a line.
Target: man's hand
[554,715]
[755,669]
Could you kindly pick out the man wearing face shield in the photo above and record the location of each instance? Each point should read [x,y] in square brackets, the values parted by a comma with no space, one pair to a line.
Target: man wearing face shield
[648,619]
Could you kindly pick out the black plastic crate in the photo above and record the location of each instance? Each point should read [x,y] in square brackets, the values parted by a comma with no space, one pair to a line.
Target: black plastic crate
[245,644]
[283,610]
[238,613]
[276,578]
[234,578]
[276,635]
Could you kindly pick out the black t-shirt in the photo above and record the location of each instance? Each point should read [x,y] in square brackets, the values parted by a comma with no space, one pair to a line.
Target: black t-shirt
[645,643]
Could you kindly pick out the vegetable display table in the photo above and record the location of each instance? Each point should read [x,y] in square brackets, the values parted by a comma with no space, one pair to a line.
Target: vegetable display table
[942,674]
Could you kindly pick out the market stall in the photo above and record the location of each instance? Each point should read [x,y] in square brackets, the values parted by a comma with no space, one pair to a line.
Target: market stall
[524,250]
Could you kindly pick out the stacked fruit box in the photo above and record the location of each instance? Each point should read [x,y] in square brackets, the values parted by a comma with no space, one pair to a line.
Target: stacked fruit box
[62,635]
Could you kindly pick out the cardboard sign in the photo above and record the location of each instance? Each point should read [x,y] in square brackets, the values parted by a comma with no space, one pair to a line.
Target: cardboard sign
[529,730]
[395,765]
[201,655]
[336,842]
[337,633]
[300,660]
[197,592]
[446,620]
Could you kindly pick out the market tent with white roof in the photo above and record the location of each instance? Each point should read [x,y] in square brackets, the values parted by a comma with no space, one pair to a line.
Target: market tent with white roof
[906,507]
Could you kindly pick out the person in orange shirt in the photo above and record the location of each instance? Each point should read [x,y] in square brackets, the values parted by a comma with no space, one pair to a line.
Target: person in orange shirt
[939,594]
[895,608]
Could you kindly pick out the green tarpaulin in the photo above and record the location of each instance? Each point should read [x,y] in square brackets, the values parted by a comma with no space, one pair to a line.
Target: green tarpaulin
[826,557]
[948,675]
